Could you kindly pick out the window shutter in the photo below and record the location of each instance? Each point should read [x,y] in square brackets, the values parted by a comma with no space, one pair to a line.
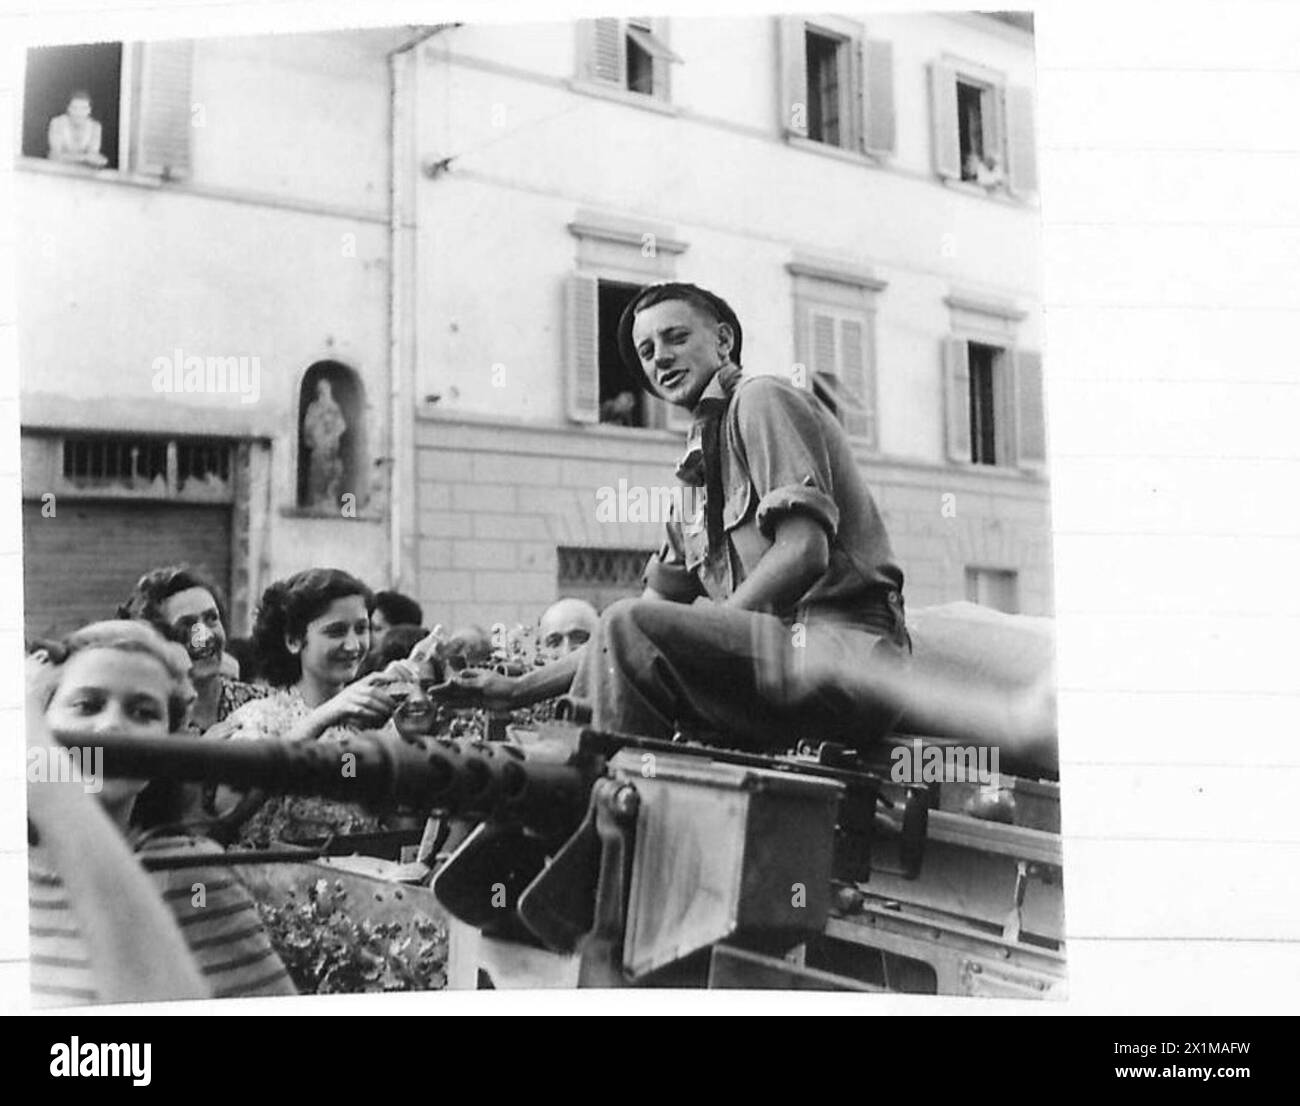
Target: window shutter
[880,135]
[582,348]
[662,67]
[1031,424]
[859,412]
[1022,157]
[853,136]
[602,50]
[945,142]
[794,76]
[164,108]
[957,399]
[822,331]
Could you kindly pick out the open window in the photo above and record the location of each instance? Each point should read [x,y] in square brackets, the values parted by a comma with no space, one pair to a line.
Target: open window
[110,106]
[837,86]
[629,55]
[994,398]
[602,389]
[72,100]
[982,129]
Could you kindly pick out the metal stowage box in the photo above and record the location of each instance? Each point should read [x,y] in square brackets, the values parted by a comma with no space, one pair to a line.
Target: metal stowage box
[723,850]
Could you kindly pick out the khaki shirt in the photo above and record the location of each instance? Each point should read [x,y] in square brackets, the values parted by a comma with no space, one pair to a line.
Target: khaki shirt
[781,452]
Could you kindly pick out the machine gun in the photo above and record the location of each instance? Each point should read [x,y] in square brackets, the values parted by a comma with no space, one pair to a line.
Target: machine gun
[604,859]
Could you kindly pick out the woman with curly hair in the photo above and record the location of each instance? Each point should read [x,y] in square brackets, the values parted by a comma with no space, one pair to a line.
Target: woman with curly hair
[312,631]
[185,606]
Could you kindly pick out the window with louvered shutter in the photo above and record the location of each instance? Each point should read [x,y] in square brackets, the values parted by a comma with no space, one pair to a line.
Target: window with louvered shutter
[582,348]
[945,142]
[840,360]
[1031,423]
[956,360]
[628,55]
[164,108]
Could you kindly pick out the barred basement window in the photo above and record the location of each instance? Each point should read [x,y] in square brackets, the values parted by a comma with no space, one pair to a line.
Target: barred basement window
[202,462]
[126,462]
[600,575]
[149,465]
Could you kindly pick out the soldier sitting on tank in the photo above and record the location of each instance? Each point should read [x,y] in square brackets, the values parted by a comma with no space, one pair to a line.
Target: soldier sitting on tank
[758,604]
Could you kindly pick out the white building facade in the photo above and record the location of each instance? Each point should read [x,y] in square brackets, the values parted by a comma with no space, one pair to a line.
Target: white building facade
[444,224]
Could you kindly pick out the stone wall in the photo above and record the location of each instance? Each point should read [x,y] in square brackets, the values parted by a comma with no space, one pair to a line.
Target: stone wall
[495,501]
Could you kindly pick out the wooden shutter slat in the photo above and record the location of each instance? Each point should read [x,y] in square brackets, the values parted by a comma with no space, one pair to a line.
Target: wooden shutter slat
[165,108]
[794,76]
[1031,422]
[853,133]
[880,136]
[582,347]
[956,356]
[1022,156]
[859,411]
[945,142]
[822,332]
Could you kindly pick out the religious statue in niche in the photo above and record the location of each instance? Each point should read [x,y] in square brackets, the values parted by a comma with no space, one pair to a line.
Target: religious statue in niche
[323,427]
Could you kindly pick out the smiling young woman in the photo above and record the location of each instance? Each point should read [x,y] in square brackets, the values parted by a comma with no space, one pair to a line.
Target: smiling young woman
[313,632]
[187,607]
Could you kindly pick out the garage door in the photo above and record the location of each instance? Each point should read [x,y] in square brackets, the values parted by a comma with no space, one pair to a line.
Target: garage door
[79,565]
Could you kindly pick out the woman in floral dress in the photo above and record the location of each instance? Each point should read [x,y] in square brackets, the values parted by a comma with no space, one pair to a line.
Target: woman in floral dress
[313,632]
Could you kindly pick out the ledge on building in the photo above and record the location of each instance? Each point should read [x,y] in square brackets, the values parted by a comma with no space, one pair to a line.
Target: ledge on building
[366,514]
[623,96]
[840,153]
[1005,198]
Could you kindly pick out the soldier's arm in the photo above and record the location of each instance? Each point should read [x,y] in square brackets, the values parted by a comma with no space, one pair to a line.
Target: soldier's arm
[796,560]
[789,467]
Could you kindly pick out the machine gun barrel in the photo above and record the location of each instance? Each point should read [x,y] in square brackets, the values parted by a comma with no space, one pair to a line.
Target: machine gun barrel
[471,779]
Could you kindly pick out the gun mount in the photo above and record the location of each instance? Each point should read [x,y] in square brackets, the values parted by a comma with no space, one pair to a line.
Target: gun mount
[612,860]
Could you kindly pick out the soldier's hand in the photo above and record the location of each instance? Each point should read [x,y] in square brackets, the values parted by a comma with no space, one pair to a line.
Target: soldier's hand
[473,687]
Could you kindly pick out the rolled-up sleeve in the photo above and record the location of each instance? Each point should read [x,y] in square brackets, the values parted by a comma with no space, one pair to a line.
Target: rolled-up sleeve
[666,570]
[785,451]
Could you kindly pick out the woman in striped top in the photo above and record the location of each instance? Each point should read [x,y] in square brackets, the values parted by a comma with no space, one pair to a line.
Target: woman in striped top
[101,930]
